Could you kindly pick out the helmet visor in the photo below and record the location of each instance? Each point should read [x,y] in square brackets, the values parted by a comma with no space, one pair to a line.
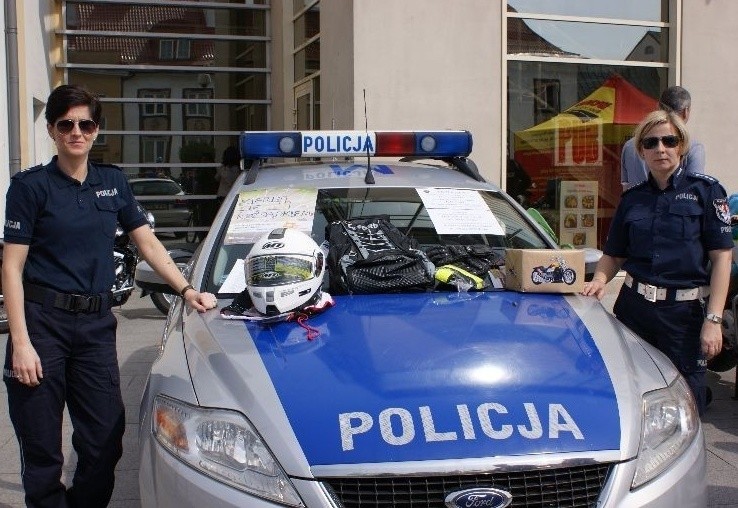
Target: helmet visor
[277,270]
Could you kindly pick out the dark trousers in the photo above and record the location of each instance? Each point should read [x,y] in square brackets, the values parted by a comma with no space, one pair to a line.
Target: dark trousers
[80,368]
[673,328]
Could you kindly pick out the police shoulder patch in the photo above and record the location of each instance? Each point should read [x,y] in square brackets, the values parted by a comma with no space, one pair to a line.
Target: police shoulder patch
[722,210]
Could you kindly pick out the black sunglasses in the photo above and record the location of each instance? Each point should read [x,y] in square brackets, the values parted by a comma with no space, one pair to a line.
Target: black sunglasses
[85,126]
[670,141]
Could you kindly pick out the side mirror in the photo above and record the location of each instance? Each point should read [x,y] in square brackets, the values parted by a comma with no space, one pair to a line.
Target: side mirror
[541,221]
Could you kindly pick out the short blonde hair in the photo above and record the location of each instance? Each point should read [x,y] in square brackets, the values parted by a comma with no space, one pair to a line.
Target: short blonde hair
[659,117]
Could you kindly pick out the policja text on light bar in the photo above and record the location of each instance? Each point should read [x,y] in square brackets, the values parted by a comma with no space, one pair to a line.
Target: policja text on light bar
[265,144]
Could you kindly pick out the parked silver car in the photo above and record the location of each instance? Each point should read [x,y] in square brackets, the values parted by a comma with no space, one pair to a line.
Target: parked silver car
[167,212]
[441,398]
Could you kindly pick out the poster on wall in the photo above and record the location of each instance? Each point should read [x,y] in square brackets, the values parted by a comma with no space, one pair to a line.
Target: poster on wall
[578,213]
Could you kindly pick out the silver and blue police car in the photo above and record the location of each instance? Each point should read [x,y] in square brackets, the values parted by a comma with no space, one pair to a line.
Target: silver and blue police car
[441,398]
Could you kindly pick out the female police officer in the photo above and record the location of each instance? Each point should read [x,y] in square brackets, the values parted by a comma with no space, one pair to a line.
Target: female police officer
[57,274]
[664,232]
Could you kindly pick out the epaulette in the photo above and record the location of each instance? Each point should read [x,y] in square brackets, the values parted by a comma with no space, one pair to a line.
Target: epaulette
[106,166]
[25,172]
[702,176]
[636,186]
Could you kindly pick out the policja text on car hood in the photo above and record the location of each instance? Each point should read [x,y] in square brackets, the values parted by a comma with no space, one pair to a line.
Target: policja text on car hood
[440,376]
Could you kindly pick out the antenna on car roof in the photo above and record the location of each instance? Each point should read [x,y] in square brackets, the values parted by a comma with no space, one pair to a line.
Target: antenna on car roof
[369,177]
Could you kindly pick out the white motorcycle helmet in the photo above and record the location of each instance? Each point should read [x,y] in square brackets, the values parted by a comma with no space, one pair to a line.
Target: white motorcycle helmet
[284,271]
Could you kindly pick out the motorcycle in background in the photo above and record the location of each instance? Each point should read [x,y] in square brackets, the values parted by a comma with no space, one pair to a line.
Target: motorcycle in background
[153,286]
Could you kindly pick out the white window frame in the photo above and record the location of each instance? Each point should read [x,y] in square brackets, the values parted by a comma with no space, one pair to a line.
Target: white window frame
[673,65]
[156,145]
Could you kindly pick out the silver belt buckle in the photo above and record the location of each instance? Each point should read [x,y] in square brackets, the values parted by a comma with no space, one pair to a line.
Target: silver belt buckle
[649,292]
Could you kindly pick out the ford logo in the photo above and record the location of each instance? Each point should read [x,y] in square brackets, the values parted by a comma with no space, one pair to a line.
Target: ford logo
[481,497]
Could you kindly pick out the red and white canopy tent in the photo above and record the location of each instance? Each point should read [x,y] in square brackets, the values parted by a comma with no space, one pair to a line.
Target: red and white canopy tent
[584,143]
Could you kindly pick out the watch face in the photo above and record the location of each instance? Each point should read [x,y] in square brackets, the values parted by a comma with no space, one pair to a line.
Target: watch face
[714,318]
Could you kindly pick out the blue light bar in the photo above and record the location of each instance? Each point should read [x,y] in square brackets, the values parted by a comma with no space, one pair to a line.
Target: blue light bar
[266,144]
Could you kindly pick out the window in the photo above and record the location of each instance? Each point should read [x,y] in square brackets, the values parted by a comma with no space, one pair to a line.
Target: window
[154,108]
[306,64]
[166,49]
[154,149]
[183,49]
[199,108]
[547,97]
[573,69]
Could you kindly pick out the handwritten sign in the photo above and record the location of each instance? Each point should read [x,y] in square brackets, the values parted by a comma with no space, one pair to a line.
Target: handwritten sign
[260,211]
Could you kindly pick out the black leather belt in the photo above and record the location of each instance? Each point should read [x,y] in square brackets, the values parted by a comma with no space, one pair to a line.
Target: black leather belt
[67,301]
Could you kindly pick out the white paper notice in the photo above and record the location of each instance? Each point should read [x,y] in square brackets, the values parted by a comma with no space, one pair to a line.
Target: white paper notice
[260,211]
[236,280]
[459,212]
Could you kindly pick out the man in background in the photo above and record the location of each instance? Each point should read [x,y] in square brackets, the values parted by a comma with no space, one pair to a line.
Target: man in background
[633,169]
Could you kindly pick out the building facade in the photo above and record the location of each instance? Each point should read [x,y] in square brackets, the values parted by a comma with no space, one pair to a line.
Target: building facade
[550,89]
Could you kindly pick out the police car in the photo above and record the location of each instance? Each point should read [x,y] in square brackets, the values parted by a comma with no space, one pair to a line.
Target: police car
[442,398]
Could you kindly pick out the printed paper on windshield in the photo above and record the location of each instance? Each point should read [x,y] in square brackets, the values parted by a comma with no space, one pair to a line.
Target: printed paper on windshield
[236,280]
[459,212]
[260,211]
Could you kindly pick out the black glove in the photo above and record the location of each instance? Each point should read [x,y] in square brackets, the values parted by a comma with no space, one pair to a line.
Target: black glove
[477,259]
[446,254]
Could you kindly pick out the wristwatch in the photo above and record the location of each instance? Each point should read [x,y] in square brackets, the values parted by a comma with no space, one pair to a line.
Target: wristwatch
[714,318]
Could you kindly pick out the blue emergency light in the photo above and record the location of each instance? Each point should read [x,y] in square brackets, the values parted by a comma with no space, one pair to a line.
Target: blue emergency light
[434,144]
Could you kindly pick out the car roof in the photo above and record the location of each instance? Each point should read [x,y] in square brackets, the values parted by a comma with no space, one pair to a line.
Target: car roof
[351,173]
[150,179]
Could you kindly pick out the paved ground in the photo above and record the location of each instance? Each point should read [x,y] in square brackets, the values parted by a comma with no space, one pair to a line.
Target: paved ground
[139,327]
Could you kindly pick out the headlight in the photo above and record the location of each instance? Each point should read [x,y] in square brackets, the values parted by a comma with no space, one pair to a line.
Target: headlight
[223,445]
[670,423]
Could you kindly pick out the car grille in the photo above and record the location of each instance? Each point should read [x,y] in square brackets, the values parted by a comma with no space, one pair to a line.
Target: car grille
[562,487]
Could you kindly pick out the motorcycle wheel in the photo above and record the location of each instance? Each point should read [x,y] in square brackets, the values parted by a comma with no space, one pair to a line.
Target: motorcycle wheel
[570,276]
[191,236]
[4,327]
[724,361]
[164,301]
[122,299]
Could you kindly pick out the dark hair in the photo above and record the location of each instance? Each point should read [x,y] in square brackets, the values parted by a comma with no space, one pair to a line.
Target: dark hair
[64,97]
[675,98]
[231,157]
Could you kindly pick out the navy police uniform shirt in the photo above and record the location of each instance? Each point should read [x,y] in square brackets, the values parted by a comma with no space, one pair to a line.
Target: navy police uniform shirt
[70,226]
[665,235]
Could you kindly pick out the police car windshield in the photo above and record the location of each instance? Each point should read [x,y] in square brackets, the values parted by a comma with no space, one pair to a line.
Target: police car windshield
[500,224]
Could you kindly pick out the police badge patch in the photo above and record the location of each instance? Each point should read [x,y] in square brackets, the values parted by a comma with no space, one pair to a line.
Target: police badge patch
[722,210]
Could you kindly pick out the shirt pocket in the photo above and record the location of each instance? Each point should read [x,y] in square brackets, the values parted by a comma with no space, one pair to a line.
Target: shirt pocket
[684,221]
[107,211]
[639,224]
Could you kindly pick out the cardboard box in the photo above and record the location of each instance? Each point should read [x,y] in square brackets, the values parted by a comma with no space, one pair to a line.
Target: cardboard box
[544,270]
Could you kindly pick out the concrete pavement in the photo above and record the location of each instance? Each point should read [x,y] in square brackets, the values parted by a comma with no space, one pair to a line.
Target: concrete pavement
[139,329]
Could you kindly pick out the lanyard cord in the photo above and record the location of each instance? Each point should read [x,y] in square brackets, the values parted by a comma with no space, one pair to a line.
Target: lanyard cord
[310,331]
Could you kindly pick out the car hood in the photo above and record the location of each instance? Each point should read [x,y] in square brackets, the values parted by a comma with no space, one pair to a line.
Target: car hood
[431,376]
